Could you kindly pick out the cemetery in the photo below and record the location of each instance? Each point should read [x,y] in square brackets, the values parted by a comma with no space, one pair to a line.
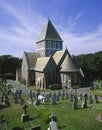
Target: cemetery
[63,109]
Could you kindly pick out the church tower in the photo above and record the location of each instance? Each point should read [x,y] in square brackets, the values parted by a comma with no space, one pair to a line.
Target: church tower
[49,41]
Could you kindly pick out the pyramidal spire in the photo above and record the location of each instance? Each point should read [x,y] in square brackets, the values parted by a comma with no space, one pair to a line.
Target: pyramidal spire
[49,33]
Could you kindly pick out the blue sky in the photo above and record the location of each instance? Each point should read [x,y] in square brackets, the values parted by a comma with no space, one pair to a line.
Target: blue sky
[79,23]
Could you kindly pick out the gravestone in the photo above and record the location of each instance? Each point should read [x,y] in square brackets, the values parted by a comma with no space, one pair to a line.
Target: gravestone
[36,128]
[47,98]
[57,97]
[30,95]
[37,101]
[15,98]
[25,116]
[33,93]
[75,102]
[81,96]
[20,91]
[96,99]
[84,102]
[63,95]
[59,93]
[66,95]
[90,99]
[52,124]
[53,99]
[6,102]
[22,102]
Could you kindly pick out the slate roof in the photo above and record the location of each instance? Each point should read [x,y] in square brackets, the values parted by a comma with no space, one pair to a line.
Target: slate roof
[41,63]
[49,33]
[31,59]
[57,56]
[68,65]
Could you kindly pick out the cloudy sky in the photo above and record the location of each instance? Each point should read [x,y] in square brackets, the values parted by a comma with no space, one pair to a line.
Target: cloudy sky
[79,22]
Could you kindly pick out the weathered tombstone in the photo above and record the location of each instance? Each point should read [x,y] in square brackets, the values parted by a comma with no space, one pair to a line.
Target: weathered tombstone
[53,99]
[50,94]
[6,102]
[71,96]
[66,95]
[36,128]
[75,91]
[57,97]
[90,99]
[15,98]
[81,96]
[52,124]
[20,91]
[37,101]
[19,96]
[47,98]
[96,99]
[33,94]
[22,102]
[75,102]
[59,93]
[30,97]
[84,102]
[63,95]
[24,116]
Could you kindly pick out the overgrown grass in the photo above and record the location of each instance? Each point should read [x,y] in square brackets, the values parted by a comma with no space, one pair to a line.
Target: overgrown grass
[67,119]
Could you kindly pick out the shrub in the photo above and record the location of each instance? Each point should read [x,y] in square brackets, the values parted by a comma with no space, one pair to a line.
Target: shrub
[54,86]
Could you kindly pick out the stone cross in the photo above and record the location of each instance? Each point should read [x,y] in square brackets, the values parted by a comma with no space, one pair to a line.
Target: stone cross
[25,108]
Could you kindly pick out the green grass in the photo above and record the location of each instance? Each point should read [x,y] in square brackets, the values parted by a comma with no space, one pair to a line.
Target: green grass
[68,119]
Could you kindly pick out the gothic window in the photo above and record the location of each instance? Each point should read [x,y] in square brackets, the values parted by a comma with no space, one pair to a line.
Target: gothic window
[49,44]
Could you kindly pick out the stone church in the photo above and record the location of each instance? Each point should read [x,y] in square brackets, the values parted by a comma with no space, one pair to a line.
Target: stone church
[50,64]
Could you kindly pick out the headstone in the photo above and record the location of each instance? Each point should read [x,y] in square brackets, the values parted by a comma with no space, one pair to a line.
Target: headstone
[96,99]
[33,94]
[53,99]
[47,98]
[30,97]
[20,91]
[75,102]
[15,98]
[63,94]
[24,116]
[90,99]
[52,124]
[57,97]
[22,102]
[36,128]
[59,93]
[37,101]
[6,102]
[84,102]
[66,95]
[81,96]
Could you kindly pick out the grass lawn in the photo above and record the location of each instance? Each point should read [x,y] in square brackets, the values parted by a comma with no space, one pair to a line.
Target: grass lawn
[67,119]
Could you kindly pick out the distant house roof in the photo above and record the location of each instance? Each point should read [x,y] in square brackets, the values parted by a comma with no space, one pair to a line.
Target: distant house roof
[41,63]
[49,33]
[31,59]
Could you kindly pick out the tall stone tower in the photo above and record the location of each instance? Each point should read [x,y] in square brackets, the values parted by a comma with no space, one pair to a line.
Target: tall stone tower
[49,40]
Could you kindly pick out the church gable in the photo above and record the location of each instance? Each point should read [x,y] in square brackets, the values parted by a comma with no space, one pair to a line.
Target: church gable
[68,64]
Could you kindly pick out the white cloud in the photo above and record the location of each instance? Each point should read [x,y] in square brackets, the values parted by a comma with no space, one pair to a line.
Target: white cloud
[89,43]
